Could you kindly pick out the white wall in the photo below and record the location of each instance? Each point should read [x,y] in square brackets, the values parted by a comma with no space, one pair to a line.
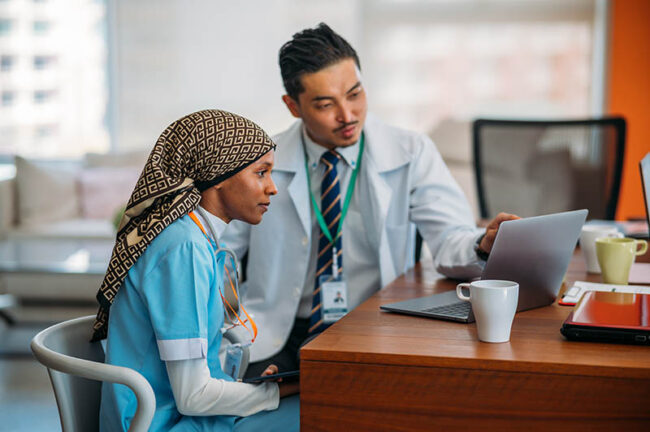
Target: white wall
[174,57]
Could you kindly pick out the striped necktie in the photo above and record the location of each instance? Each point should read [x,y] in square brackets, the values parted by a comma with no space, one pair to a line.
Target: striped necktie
[331,209]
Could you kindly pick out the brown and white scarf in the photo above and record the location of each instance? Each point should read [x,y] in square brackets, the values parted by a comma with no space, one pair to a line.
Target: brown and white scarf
[195,152]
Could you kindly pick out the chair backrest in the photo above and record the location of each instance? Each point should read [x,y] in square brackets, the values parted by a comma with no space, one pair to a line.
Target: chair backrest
[533,167]
[76,367]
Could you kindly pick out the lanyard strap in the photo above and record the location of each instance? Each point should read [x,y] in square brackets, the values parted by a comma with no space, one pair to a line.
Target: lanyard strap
[232,286]
[346,203]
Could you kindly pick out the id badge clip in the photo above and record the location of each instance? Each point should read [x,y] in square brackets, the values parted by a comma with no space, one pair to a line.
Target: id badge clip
[233,360]
[334,293]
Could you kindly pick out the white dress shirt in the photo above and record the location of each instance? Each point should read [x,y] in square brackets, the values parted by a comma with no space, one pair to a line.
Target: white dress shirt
[360,259]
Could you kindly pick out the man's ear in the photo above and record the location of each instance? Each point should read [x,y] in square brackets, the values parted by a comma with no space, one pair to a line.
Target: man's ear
[293,106]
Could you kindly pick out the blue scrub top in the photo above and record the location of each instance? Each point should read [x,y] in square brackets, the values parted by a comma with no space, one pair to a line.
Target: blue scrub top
[168,308]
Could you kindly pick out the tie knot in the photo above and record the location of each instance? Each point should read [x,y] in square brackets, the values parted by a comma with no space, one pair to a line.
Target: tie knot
[330,157]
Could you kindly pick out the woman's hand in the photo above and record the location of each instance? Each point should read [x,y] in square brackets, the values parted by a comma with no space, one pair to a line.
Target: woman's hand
[271,370]
[286,389]
[289,388]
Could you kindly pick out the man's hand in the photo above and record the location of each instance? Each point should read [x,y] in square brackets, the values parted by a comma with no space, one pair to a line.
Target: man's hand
[491,230]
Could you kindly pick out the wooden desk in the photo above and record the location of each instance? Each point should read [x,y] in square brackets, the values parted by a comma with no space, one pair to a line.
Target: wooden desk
[376,370]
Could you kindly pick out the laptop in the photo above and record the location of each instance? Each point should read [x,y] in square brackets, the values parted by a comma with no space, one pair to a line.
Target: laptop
[644,167]
[535,252]
[610,317]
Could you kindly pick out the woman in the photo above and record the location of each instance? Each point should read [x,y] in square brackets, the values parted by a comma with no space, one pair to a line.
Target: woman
[164,284]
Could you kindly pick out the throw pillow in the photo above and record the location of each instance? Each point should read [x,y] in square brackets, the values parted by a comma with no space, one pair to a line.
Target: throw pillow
[104,190]
[133,158]
[47,190]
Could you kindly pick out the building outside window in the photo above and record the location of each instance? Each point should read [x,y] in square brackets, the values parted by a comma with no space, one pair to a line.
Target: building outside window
[41,27]
[43,61]
[6,63]
[44,96]
[57,68]
[45,131]
[5,26]
[7,98]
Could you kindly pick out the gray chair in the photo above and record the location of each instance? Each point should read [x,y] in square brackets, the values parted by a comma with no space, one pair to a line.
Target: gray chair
[76,368]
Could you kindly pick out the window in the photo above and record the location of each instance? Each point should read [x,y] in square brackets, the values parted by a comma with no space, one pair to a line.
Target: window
[45,131]
[53,78]
[41,26]
[43,96]
[6,63]
[5,26]
[430,62]
[7,98]
[43,62]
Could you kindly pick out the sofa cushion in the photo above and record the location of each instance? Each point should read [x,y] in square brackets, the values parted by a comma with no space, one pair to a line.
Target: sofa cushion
[47,190]
[106,190]
[453,138]
[67,229]
[133,158]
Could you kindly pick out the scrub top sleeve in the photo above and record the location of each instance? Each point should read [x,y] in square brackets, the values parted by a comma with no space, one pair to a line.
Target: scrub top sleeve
[176,292]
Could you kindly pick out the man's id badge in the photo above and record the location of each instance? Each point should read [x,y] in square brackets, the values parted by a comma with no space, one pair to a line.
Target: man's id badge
[334,298]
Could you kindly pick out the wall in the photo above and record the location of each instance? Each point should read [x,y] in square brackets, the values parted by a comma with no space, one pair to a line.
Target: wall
[629,93]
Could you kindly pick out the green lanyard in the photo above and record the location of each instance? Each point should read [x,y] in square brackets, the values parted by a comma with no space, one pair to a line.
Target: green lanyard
[348,197]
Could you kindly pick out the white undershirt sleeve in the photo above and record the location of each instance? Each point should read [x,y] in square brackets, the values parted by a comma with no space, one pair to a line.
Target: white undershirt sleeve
[197,393]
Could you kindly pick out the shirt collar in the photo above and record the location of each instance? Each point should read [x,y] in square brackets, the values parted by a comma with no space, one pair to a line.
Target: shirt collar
[219,224]
[315,151]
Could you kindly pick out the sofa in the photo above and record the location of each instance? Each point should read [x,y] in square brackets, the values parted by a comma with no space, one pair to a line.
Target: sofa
[67,198]
[63,210]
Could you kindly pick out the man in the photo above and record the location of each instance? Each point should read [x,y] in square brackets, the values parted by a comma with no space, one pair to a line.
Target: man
[351,187]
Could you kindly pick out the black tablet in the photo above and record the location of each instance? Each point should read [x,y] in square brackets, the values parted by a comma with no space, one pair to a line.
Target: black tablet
[609,317]
[285,375]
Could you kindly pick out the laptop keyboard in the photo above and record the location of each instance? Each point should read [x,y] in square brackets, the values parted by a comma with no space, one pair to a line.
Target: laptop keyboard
[459,310]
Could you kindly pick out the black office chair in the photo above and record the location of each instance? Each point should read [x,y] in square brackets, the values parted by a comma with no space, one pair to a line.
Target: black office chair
[534,167]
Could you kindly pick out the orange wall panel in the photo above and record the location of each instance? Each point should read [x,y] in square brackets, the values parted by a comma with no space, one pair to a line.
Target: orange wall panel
[629,93]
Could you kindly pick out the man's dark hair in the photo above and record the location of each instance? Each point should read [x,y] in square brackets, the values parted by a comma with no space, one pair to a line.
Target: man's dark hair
[310,51]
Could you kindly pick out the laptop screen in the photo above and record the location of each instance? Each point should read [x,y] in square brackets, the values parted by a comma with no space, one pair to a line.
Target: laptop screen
[644,165]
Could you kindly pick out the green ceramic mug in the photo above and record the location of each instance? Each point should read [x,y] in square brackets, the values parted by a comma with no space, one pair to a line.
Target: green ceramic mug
[615,257]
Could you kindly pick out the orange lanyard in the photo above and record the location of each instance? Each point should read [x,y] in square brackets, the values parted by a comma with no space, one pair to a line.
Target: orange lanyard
[232,286]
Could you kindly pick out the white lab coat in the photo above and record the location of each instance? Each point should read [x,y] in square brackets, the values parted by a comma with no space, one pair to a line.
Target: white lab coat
[404,181]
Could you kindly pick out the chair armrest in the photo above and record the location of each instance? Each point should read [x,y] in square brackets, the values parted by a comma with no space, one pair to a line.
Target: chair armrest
[146,405]
[237,335]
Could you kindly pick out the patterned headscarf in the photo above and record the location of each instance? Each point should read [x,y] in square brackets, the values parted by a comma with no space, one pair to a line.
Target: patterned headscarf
[194,153]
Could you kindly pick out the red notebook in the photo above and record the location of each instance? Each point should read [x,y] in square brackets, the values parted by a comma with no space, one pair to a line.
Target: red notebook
[610,317]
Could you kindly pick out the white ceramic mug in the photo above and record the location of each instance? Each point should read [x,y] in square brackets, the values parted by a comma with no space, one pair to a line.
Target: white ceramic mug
[494,303]
[588,237]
